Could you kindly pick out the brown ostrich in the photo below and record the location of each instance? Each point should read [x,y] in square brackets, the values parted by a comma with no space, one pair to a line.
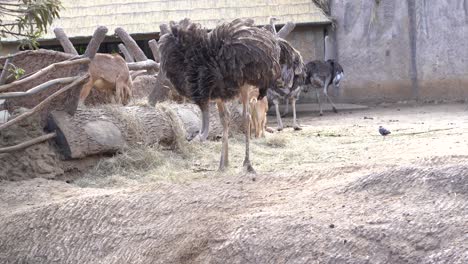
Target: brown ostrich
[220,65]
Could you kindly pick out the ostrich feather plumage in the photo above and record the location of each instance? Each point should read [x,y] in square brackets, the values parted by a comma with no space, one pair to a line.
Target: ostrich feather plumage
[213,65]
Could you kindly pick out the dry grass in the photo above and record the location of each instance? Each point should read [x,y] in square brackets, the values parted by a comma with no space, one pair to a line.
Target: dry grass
[276,141]
[323,143]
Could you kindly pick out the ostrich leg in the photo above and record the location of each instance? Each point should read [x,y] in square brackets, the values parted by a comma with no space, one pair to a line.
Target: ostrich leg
[286,111]
[278,115]
[325,91]
[205,109]
[295,125]
[224,118]
[246,114]
[317,94]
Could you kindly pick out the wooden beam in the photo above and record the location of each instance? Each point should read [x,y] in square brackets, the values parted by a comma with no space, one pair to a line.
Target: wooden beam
[38,88]
[44,103]
[28,143]
[65,41]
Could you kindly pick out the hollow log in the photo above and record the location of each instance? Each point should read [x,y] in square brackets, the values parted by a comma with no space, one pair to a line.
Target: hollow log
[95,42]
[109,129]
[64,41]
[128,57]
[286,29]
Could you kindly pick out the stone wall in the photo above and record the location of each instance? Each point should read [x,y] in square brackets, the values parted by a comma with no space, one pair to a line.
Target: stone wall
[401,50]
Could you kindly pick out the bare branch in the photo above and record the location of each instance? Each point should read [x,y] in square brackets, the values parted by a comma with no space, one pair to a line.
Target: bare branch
[47,69]
[38,88]
[28,143]
[44,103]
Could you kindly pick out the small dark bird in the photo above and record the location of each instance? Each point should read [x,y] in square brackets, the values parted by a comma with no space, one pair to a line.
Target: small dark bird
[383,131]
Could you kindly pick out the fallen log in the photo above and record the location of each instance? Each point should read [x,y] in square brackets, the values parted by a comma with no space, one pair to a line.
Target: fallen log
[109,129]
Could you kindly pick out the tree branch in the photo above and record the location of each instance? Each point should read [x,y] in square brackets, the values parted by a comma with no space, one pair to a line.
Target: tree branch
[38,88]
[28,143]
[47,69]
[46,101]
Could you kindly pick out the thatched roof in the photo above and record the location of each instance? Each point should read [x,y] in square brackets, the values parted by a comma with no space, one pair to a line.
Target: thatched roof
[81,17]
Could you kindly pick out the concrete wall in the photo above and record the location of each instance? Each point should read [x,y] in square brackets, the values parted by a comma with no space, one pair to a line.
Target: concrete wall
[400,50]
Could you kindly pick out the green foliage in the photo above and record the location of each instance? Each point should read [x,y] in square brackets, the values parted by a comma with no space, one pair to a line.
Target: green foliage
[27,20]
[16,71]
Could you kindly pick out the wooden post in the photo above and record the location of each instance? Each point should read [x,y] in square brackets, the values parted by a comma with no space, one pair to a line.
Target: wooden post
[128,57]
[286,29]
[95,43]
[154,49]
[163,29]
[131,44]
[65,41]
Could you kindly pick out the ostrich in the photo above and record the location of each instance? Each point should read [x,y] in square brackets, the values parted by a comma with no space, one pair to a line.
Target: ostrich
[220,65]
[320,74]
[288,87]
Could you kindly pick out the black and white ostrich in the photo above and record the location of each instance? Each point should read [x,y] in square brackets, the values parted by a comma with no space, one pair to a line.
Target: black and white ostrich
[320,74]
[220,65]
[288,87]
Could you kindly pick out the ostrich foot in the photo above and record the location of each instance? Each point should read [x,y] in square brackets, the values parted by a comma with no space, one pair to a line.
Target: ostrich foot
[199,138]
[248,167]
[321,114]
[279,129]
[334,110]
[269,130]
[297,128]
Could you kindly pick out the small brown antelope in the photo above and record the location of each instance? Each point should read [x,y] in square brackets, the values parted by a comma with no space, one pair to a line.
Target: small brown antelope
[258,113]
[109,74]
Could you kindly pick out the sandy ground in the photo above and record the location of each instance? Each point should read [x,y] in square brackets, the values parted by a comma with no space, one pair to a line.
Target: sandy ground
[335,192]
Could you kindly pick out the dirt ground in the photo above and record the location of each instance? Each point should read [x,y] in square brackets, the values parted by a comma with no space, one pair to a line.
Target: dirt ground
[334,192]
